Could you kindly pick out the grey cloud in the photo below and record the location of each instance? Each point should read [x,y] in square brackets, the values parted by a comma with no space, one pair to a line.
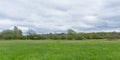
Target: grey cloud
[57,16]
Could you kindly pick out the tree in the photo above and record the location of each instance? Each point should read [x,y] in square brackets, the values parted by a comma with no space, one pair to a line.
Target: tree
[1,37]
[31,34]
[7,34]
[71,34]
[17,32]
[12,34]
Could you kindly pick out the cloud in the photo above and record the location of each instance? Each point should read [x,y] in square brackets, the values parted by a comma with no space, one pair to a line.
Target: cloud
[46,16]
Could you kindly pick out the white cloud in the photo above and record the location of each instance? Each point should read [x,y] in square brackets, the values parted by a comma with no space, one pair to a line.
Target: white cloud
[60,15]
[7,22]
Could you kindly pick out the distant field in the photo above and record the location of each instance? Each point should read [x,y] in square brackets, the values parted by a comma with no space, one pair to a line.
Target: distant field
[59,50]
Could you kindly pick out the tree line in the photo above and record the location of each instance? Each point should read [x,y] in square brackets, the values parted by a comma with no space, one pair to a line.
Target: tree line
[16,33]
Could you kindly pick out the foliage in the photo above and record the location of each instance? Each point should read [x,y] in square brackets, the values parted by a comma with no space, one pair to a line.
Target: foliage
[11,34]
[16,33]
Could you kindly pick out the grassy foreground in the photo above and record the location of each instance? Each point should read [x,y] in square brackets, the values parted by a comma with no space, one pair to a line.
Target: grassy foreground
[59,50]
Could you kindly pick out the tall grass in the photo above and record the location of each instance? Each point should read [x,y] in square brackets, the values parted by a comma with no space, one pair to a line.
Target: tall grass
[60,50]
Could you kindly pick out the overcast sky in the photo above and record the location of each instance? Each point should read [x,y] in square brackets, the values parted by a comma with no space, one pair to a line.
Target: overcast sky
[46,16]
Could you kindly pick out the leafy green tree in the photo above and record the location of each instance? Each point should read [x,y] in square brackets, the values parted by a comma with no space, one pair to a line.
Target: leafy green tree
[1,37]
[17,33]
[7,34]
[71,34]
[12,34]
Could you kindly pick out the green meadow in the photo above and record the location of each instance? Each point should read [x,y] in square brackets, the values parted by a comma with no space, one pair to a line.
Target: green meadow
[59,50]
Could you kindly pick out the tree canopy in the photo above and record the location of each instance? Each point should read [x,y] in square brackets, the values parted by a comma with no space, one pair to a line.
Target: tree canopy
[16,33]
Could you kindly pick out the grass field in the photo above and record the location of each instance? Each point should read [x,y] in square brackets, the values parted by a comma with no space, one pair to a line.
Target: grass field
[59,50]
